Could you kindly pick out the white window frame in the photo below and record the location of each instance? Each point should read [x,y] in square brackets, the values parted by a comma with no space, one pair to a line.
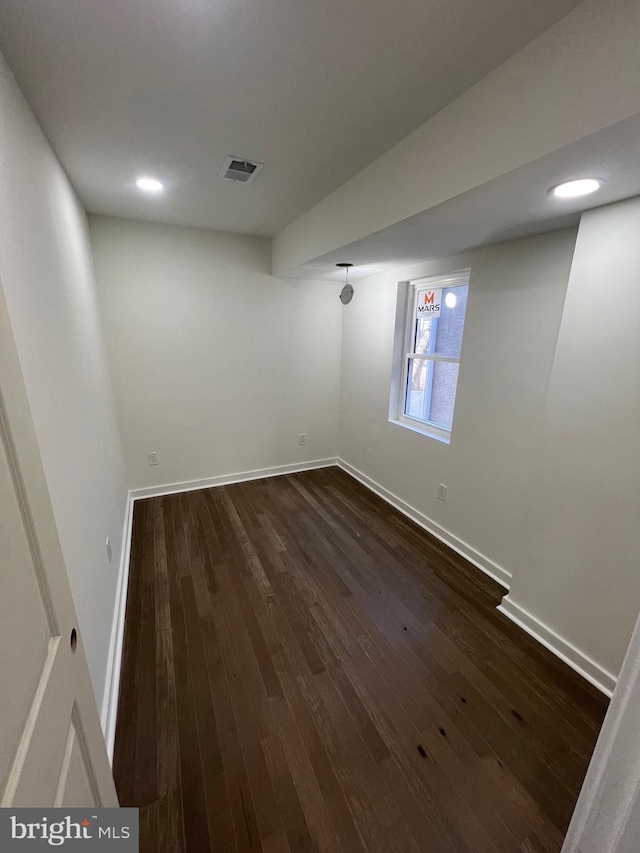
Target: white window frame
[405,328]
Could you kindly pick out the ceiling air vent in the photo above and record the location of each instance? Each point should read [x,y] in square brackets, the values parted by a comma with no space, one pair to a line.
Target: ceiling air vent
[237,169]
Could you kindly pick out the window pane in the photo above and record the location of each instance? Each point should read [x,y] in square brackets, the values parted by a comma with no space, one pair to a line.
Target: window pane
[436,333]
[431,391]
[450,323]
[443,394]
[423,335]
[442,335]
[418,397]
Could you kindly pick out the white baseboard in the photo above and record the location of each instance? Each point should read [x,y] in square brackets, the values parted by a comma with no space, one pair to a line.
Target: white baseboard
[498,573]
[114,663]
[589,669]
[229,479]
[109,713]
[577,660]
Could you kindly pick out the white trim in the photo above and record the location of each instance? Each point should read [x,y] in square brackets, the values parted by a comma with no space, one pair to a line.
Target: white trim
[606,814]
[451,279]
[228,479]
[404,333]
[423,427]
[114,664]
[590,670]
[109,713]
[577,660]
[498,573]
[447,359]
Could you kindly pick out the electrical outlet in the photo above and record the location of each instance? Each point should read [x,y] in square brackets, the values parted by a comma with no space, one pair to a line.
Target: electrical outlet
[153,458]
[442,492]
[108,547]
[302,438]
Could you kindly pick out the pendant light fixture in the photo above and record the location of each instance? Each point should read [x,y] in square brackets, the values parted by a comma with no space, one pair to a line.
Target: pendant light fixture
[346,294]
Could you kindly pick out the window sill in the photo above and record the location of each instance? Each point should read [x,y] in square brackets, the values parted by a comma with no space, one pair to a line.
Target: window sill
[443,437]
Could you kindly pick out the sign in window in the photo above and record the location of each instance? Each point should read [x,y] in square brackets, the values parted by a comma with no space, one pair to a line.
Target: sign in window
[435,314]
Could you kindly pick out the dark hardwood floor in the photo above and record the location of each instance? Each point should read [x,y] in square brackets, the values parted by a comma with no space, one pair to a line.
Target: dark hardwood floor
[307,670]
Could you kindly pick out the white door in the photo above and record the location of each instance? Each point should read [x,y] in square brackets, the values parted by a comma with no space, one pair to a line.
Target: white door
[51,747]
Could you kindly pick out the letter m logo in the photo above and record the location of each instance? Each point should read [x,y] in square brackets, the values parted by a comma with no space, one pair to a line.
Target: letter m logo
[429,297]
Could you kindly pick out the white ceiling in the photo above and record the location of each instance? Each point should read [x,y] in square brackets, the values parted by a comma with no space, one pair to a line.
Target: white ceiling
[517,204]
[315,89]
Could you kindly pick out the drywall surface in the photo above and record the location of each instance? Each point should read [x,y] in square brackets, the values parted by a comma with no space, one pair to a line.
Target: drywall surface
[218,366]
[579,567]
[563,86]
[516,295]
[607,814]
[47,277]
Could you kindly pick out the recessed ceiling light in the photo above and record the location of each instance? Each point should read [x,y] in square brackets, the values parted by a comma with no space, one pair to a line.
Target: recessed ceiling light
[149,185]
[573,189]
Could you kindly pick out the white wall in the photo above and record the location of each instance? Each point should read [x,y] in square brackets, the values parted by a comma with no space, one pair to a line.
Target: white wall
[217,365]
[516,295]
[46,274]
[564,85]
[607,814]
[543,472]
[579,572]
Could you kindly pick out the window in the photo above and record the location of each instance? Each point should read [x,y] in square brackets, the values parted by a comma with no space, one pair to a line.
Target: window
[427,367]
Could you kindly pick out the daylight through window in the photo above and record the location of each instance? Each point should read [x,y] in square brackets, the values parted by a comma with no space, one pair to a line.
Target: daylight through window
[433,342]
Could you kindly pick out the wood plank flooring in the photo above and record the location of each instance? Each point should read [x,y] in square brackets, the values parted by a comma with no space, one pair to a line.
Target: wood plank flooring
[307,670]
